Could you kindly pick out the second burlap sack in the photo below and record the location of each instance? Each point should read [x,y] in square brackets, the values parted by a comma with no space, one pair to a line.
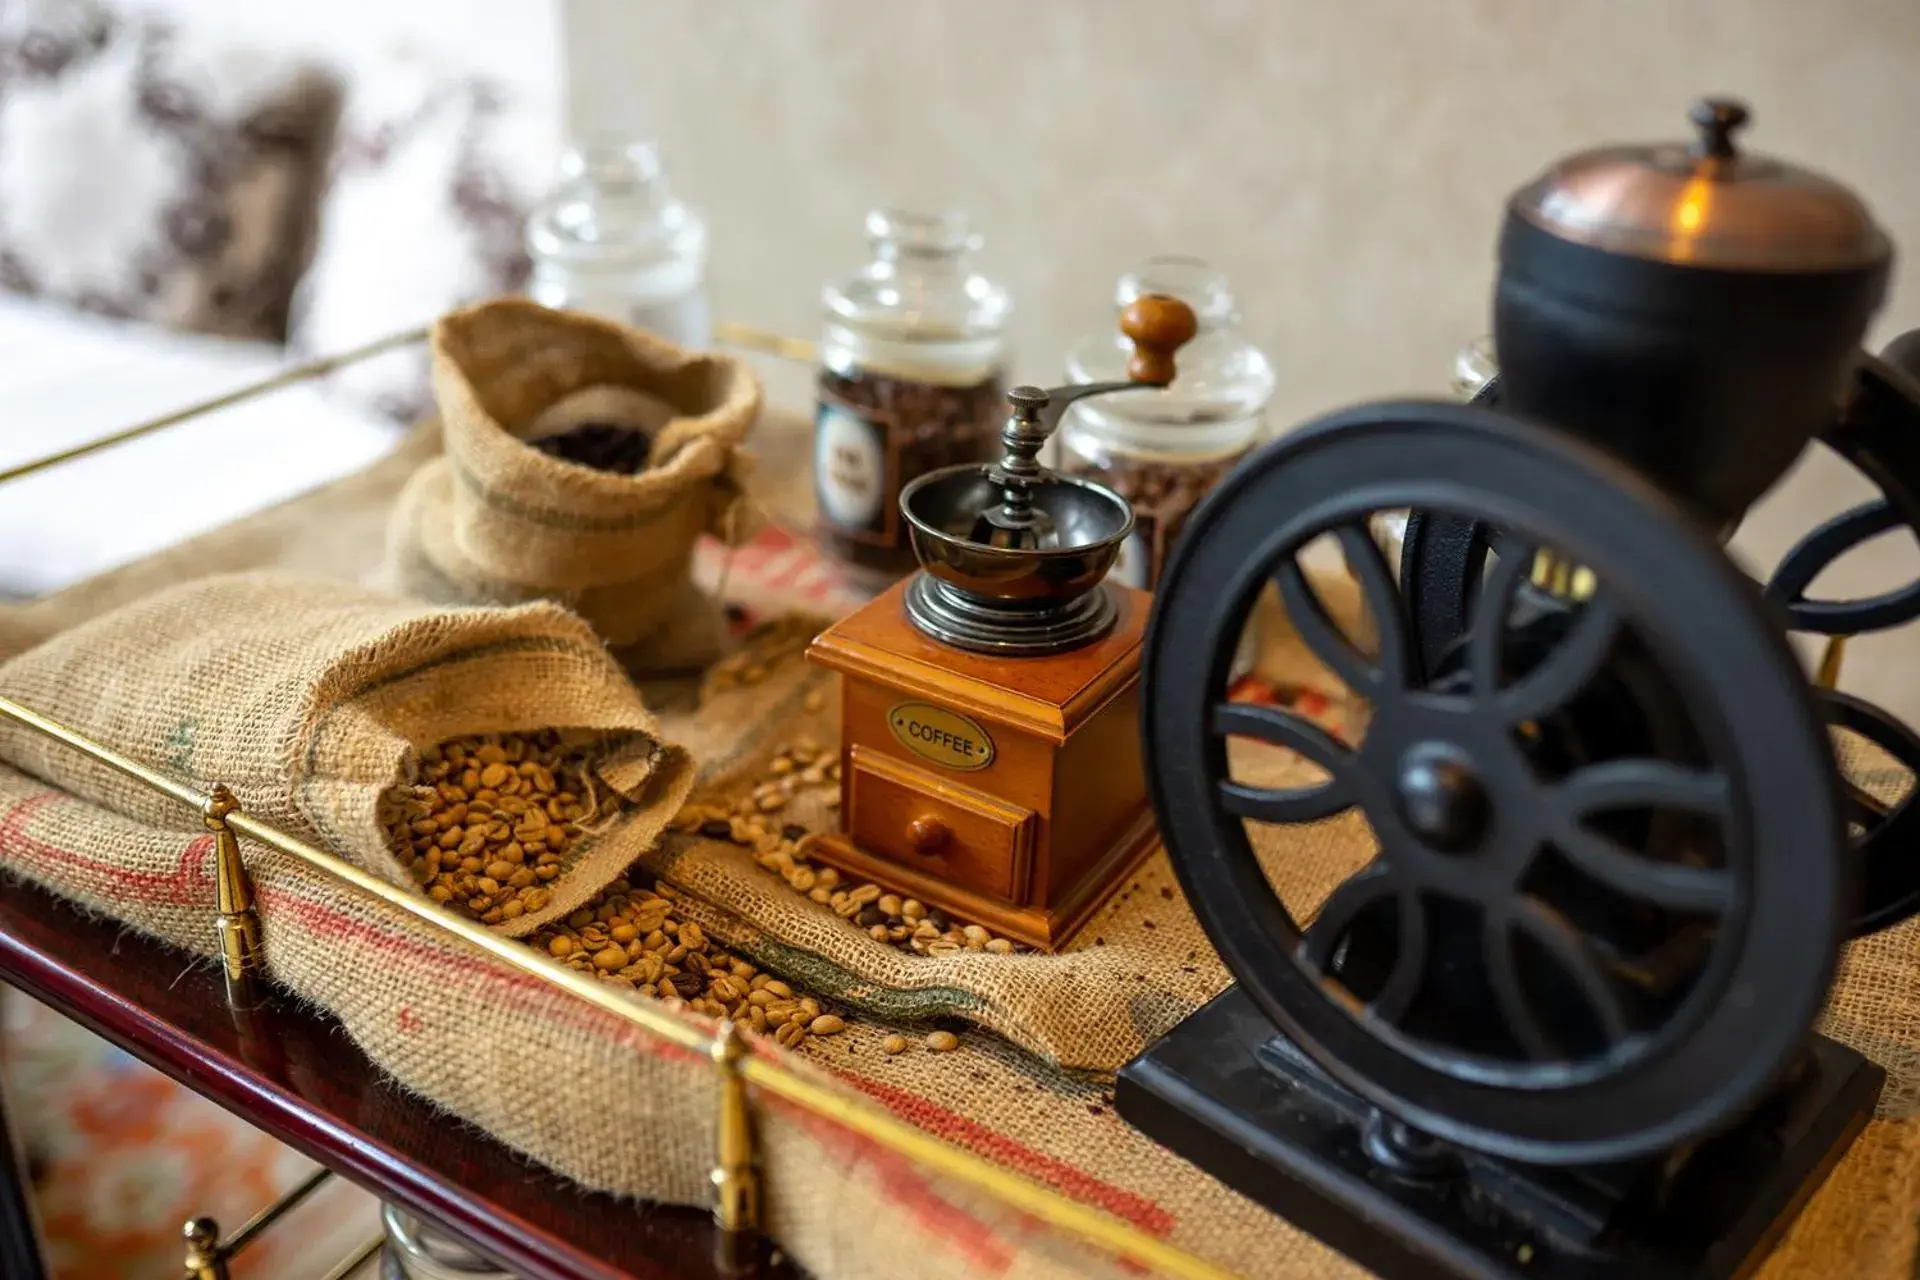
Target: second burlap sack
[310,700]
[496,521]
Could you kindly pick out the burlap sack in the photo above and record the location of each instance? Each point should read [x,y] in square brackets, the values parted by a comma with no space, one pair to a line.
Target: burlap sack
[499,522]
[574,1088]
[310,699]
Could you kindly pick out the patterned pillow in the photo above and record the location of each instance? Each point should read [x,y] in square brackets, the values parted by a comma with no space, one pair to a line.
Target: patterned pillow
[151,173]
[432,182]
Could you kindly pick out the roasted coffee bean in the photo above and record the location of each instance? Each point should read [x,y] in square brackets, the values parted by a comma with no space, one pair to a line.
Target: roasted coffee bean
[1162,495]
[604,446]
[888,918]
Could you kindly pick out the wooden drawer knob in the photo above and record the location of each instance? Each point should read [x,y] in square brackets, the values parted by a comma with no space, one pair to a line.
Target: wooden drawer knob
[928,835]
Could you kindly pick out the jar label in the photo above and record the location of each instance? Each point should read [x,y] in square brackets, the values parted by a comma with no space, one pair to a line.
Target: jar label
[850,469]
[945,737]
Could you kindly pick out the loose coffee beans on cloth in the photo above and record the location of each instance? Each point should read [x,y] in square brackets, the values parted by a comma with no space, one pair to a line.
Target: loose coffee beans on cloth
[769,785]
[312,701]
[501,519]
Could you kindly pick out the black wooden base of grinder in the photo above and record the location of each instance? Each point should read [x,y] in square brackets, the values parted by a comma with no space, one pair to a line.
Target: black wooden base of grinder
[1224,1092]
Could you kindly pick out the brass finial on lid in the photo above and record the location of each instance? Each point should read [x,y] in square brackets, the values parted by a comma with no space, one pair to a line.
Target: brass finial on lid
[1718,120]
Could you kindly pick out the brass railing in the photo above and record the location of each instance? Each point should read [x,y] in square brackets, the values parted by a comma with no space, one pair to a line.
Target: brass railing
[735,1171]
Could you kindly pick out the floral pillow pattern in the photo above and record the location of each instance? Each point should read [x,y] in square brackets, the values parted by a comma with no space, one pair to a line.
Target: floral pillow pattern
[426,208]
[149,173]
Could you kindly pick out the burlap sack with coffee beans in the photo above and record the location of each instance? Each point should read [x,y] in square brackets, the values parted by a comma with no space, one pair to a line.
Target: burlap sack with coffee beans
[496,521]
[311,699]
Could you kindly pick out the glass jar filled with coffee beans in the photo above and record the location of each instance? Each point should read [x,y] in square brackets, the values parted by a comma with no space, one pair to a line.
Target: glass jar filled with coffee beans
[1162,449]
[910,381]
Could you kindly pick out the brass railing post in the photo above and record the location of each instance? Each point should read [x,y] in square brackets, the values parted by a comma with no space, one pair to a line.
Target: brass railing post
[238,925]
[205,1259]
[736,1179]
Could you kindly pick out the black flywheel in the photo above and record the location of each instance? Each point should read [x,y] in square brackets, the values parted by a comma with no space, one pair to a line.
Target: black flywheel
[1607,893]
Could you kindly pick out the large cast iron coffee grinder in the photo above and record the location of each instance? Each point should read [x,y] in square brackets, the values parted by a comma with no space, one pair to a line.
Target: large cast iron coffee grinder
[1560,1024]
[990,760]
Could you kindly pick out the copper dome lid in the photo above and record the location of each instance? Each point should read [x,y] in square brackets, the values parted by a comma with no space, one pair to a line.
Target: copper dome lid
[1704,204]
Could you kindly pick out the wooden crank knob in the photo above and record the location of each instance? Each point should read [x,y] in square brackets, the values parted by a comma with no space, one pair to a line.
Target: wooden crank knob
[1158,326]
[928,835]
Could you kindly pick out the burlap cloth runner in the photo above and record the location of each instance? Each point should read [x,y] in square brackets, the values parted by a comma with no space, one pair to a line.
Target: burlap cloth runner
[633,1119]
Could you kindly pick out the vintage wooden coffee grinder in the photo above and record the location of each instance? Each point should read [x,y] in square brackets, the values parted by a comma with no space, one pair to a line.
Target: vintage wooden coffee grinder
[990,758]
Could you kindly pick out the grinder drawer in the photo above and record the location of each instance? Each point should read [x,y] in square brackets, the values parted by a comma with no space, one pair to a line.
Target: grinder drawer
[925,823]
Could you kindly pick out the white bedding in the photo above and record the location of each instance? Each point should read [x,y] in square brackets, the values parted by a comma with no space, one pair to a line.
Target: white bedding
[66,379]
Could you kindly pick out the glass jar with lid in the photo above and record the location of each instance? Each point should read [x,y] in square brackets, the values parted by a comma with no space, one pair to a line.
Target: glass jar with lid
[910,381]
[613,241]
[1163,448]
[1473,368]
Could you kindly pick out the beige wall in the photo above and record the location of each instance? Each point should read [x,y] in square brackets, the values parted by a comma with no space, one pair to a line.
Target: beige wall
[1344,160]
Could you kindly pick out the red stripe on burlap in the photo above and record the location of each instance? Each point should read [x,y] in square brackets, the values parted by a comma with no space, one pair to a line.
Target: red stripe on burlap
[1069,1180]
[982,1245]
[189,883]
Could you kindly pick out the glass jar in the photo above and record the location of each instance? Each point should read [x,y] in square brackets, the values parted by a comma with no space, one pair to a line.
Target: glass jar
[1163,448]
[417,1251]
[614,242]
[1473,368]
[910,381]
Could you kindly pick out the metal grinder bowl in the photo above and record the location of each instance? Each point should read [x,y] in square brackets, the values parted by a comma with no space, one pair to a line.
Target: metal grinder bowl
[1012,600]
[1012,554]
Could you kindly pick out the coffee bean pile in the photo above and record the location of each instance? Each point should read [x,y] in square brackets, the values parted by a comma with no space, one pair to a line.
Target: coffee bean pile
[490,820]
[604,446]
[753,820]
[631,937]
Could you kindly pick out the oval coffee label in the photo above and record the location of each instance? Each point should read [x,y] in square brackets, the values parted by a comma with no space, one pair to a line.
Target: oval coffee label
[849,469]
[942,736]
